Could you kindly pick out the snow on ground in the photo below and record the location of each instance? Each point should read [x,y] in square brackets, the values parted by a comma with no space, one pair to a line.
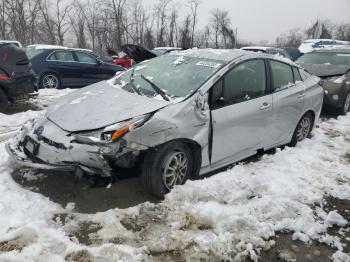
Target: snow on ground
[228,216]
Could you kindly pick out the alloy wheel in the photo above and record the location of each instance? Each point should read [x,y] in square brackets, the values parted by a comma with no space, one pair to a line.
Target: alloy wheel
[175,169]
[50,81]
[304,128]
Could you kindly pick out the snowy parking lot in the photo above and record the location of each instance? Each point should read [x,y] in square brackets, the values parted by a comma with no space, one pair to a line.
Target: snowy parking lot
[292,204]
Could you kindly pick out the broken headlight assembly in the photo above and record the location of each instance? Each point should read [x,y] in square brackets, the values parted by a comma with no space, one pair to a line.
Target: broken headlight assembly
[115,132]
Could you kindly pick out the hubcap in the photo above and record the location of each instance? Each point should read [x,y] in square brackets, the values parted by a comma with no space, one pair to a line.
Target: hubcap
[50,81]
[303,128]
[347,104]
[175,169]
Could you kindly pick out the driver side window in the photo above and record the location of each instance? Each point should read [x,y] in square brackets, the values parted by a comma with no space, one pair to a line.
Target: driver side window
[244,82]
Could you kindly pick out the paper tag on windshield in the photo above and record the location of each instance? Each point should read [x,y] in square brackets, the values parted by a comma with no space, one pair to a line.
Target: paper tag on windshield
[208,64]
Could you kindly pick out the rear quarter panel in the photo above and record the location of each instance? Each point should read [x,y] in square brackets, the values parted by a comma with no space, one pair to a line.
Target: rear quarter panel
[314,96]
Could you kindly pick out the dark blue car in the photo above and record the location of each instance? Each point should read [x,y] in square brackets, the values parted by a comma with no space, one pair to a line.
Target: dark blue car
[58,67]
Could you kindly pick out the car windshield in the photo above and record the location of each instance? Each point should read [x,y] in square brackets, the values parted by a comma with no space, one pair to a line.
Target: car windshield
[331,58]
[177,76]
[31,52]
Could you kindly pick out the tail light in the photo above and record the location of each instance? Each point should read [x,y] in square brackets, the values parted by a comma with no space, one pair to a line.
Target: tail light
[3,75]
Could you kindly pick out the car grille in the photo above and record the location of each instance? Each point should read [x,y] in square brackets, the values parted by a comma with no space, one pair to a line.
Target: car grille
[52,143]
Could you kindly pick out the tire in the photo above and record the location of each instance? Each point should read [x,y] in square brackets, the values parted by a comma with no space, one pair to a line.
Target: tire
[4,101]
[303,129]
[50,80]
[163,160]
[346,105]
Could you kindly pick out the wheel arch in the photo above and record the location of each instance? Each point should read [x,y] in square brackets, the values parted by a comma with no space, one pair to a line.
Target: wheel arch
[312,113]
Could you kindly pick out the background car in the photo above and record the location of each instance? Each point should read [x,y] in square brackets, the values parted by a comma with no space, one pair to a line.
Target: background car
[130,55]
[176,116]
[293,52]
[17,79]
[333,66]
[59,67]
[310,44]
[267,50]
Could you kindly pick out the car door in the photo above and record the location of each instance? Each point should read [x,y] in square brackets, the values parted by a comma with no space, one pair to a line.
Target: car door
[241,109]
[92,70]
[63,62]
[288,101]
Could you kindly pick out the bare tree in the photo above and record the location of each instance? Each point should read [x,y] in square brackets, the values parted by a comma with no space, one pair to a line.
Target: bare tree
[118,15]
[60,21]
[319,29]
[185,33]
[293,38]
[193,4]
[161,15]
[48,25]
[77,22]
[173,26]
[4,20]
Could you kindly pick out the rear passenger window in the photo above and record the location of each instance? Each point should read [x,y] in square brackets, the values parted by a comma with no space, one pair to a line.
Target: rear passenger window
[85,58]
[296,73]
[244,82]
[282,75]
[64,56]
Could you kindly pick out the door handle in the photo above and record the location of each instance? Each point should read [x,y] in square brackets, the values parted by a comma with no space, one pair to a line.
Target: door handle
[301,96]
[265,106]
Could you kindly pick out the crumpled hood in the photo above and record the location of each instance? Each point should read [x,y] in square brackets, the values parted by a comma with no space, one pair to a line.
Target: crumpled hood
[99,105]
[323,70]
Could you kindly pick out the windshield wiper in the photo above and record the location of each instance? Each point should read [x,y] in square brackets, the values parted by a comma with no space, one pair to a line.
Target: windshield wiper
[156,88]
[131,82]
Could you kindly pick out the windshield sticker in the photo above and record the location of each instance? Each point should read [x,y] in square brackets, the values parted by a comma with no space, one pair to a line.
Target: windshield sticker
[208,64]
[343,54]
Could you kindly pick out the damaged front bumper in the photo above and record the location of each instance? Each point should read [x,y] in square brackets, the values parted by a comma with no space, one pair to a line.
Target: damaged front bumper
[35,147]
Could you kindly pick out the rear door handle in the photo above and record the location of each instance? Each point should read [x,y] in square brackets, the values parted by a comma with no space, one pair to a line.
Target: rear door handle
[301,96]
[265,106]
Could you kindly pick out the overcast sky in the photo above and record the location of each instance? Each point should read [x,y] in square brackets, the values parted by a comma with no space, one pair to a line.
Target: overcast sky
[266,19]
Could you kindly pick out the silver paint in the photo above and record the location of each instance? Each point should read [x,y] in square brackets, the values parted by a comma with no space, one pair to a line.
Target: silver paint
[238,131]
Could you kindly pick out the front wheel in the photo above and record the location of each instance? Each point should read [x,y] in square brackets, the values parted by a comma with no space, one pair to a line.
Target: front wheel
[50,80]
[169,165]
[303,129]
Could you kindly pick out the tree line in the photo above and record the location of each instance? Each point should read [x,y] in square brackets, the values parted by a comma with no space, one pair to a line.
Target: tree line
[99,24]
[319,29]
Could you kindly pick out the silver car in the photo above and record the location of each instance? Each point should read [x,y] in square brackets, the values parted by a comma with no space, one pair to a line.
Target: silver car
[175,116]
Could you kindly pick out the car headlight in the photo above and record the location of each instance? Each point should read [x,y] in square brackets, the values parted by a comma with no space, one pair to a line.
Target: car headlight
[114,132]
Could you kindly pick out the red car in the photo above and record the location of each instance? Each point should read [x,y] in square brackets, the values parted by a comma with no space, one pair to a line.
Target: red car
[129,55]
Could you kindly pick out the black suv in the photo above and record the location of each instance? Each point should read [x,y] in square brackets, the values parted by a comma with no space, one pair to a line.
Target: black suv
[17,79]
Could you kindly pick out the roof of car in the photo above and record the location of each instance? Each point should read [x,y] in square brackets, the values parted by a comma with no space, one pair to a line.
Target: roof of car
[51,47]
[226,55]
[325,40]
[11,42]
